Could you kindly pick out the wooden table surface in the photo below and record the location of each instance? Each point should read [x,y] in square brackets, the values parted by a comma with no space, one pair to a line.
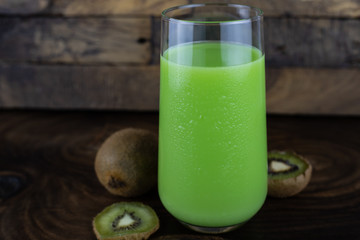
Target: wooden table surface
[52,153]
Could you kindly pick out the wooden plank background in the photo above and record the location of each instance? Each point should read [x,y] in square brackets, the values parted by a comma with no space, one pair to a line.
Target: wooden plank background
[104,54]
[76,40]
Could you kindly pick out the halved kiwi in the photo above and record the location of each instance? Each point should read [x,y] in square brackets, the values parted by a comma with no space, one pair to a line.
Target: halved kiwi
[125,221]
[288,173]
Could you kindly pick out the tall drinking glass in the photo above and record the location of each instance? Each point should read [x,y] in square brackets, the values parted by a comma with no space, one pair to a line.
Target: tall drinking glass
[212,136]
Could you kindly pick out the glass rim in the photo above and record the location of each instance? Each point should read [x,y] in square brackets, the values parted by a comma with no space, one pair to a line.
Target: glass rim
[257,17]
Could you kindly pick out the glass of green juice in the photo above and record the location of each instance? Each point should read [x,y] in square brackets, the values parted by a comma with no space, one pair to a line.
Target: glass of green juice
[212,125]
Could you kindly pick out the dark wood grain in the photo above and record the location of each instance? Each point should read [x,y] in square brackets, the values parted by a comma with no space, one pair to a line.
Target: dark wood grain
[112,7]
[55,151]
[298,8]
[76,41]
[313,8]
[23,6]
[80,87]
[312,42]
[288,41]
[313,91]
[81,54]
[289,90]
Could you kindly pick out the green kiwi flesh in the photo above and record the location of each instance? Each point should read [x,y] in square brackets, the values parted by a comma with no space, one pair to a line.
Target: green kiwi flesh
[288,173]
[125,221]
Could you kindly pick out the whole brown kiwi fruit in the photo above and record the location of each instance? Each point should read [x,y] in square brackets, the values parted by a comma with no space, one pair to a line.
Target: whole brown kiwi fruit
[126,163]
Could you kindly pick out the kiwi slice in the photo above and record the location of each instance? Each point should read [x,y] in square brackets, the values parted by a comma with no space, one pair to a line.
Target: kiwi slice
[288,173]
[125,221]
[126,163]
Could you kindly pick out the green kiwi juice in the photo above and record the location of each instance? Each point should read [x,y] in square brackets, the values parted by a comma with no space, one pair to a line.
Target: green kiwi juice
[212,136]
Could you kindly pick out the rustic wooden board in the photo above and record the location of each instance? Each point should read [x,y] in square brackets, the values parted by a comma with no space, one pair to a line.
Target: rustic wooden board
[74,40]
[54,152]
[303,42]
[315,91]
[289,90]
[112,7]
[288,41]
[23,6]
[312,42]
[65,87]
[313,8]
[302,8]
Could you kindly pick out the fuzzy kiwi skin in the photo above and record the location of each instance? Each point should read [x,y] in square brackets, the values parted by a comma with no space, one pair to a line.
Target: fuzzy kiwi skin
[133,236]
[126,163]
[282,188]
